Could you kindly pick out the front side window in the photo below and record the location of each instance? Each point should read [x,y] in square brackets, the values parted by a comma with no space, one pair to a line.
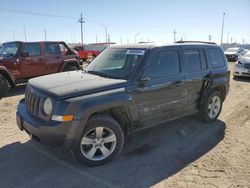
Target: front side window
[216,57]
[116,63]
[32,48]
[192,60]
[163,63]
[52,49]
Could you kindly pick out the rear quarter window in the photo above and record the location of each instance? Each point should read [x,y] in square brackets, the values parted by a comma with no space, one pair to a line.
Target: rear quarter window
[216,57]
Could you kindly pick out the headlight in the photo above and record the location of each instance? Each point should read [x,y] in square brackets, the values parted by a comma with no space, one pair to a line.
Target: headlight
[47,106]
[239,64]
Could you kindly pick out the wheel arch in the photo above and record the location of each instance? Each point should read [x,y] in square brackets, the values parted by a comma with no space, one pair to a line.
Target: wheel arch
[70,63]
[8,77]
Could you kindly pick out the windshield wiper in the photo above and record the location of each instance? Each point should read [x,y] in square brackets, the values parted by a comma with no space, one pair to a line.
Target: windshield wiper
[102,74]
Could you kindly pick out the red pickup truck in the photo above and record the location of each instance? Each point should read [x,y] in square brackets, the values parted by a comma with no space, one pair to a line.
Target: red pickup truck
[86,52]
[20,61]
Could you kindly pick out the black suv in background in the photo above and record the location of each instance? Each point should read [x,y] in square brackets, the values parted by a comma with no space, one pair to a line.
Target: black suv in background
[126,88]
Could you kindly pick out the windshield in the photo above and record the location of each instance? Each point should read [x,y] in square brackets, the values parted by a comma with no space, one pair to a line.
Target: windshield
[232,50]
[247,54]
[11,47]
[116,63]
[3,52]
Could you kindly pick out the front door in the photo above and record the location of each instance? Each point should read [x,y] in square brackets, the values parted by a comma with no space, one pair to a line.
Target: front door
[33,65]
[53,57]
[162,93]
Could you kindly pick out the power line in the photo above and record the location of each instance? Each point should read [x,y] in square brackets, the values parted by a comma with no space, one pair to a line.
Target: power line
[36,13]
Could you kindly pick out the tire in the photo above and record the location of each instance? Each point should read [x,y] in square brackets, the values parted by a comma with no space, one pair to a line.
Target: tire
[211,109]
[101,141]
[4,86]
[69,68]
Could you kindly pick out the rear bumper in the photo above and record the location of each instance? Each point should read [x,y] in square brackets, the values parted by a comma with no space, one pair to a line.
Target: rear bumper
[232,57]
[47,132]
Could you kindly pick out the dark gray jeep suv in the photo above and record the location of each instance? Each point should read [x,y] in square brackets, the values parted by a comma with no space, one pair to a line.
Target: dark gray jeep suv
[126,88]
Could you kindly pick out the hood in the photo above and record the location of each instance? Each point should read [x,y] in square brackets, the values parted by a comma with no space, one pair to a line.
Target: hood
[75,83]
[244,60]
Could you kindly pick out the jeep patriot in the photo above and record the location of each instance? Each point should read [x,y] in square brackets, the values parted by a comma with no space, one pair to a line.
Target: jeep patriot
[126,88]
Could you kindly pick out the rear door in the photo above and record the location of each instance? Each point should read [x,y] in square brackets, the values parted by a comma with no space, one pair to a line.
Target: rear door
[196,75]
[53,56]
[163,94]
[33,65]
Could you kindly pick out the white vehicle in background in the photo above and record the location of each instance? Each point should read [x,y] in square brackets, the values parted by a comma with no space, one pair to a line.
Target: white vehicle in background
[242,66]
[233,54]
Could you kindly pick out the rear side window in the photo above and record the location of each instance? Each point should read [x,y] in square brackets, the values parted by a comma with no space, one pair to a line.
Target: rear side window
[163,63]
[32,48]
[216,57]
[52,49]
[192,60]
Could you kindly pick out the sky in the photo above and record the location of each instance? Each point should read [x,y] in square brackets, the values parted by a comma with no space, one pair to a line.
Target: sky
[126,21]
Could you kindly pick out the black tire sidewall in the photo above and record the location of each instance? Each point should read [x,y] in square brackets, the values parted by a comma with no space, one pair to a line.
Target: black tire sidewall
[205,106]
[101,121]
[4,86]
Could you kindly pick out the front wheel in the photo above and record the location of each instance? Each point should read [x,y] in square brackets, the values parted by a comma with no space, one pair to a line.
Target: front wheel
[4,86]
[102,141]
[212,107]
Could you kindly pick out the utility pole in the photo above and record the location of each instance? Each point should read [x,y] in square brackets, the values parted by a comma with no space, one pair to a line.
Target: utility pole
[45,35]
[209,37]
[108,39]
[121,40]
[106,33]
[96,38]
[136,36]
[222,30]
[174,36]
[24,31]
[81,22]
[13,33]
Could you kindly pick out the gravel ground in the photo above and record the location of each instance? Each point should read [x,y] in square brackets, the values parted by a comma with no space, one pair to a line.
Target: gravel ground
[182,153]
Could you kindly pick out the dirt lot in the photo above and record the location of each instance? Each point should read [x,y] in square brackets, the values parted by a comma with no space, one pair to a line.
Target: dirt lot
[182,153]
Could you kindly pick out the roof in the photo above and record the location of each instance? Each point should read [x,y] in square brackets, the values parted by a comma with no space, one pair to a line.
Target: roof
[151,45]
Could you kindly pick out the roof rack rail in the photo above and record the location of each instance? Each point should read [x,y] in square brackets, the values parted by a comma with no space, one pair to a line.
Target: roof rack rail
[181,41]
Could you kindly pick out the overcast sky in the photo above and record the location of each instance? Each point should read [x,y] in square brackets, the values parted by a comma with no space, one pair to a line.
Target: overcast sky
[151,20]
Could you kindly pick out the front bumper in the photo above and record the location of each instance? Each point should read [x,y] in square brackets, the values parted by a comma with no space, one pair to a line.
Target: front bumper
[241,71]
[48,132]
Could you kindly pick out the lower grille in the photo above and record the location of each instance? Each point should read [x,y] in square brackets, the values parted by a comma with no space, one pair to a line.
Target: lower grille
[32,102]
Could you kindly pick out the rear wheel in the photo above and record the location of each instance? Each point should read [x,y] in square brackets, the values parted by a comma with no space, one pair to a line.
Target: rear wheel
[212,106]
[4,86]
[102,141]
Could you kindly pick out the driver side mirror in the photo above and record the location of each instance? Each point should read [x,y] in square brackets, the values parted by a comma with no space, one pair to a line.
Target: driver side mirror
[24,54]
[143,80]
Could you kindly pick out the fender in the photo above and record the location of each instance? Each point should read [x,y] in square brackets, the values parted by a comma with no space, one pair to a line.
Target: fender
[72,60]
[8,75]
[212,82]
[87,108]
